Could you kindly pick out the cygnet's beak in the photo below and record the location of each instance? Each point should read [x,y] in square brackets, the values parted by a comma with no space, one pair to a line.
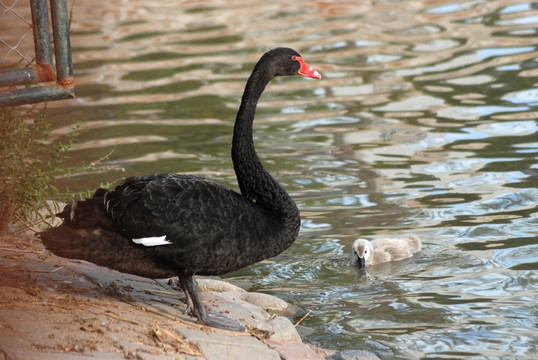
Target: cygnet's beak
[361,262]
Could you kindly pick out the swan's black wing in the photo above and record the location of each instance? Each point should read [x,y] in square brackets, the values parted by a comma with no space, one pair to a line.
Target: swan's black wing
[200,218]
[178,206]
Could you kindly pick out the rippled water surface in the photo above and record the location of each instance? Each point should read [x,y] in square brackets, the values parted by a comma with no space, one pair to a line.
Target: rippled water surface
[424,123]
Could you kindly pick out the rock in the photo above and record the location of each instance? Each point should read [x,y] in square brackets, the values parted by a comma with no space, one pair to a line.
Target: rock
[221,345]
[294,351]
[277,328]
[281,328]
[208,284]
[269,303]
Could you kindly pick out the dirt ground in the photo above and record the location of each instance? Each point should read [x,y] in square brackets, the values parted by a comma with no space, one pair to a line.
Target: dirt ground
[54,308]
[46,305]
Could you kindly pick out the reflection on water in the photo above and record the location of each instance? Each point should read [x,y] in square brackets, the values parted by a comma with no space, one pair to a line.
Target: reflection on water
[424,123]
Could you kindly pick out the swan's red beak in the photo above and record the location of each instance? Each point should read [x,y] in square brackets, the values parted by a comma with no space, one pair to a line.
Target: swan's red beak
[306,70]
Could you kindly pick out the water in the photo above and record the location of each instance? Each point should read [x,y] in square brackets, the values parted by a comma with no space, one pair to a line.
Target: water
[424,123]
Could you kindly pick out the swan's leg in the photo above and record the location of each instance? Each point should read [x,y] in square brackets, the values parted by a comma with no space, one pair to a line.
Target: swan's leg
[188,299]
[195,306]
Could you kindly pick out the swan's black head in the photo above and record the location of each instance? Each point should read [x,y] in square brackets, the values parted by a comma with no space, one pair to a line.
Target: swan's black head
[286,61]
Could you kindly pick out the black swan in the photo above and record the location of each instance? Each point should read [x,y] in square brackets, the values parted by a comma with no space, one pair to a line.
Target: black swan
[365,253]
[165,225]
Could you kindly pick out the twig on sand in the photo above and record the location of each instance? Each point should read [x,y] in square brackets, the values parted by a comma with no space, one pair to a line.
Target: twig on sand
[185,347]
[161,292]
[117,317]
[21,250]
[58,268]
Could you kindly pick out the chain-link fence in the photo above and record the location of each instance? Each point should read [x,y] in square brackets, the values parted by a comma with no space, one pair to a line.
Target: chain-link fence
[26,52]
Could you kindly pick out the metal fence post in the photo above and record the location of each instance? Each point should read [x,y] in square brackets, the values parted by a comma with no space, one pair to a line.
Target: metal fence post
[43,70]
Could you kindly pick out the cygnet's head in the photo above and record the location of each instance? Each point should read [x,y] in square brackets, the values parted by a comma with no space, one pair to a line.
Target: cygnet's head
[361,251]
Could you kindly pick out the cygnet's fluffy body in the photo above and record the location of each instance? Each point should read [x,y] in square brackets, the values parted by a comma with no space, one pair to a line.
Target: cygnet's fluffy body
[366,253]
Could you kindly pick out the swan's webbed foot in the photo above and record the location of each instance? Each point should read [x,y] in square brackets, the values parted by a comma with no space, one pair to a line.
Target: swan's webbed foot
[217,320]
[196,308]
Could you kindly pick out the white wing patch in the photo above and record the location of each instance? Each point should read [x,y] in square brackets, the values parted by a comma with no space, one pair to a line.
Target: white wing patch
[152,241]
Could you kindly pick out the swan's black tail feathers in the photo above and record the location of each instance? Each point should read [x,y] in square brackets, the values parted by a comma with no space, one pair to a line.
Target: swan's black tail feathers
[87,213]
[104,248]
[83,231]
[82,244]
[87,233]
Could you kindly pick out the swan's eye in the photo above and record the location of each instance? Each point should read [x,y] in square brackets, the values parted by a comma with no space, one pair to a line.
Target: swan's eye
[294,58]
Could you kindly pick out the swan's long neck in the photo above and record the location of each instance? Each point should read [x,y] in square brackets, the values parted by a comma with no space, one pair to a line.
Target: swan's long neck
[255,182]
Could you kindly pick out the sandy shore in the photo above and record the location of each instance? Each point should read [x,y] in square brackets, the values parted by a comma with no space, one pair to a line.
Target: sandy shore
[54,308]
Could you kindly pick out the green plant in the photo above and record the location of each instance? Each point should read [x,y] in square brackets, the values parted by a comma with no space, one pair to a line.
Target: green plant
[29,164]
